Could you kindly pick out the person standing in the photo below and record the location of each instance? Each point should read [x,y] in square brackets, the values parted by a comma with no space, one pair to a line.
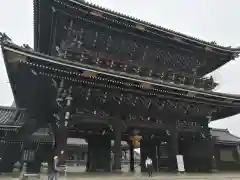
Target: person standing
[148,164]
[55,168]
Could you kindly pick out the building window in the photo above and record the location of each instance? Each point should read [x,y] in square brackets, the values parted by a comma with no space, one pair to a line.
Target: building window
[163,152]
[226,155]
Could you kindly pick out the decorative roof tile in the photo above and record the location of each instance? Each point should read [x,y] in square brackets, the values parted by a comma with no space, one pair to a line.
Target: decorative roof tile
[11,117]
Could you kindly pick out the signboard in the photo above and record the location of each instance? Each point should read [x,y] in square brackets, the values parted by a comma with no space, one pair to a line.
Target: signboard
[180,163]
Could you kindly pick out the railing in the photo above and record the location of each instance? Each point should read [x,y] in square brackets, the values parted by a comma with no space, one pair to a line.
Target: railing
[83,162]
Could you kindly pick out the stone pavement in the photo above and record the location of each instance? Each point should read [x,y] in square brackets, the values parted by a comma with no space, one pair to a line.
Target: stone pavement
[77,172]
[139,176]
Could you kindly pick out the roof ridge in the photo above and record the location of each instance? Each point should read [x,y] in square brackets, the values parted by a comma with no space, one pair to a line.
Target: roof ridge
[233,135]
[155,26]
[220,129]
[8,107]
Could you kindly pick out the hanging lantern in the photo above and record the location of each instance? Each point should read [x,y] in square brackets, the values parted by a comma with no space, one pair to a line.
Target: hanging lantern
[136,138]
[136,141]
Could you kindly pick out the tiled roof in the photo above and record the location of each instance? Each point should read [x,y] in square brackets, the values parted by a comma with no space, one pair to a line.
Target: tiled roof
[43,135]
[126,21]
[14,117]
[224,136]
[121,16]
[11,117]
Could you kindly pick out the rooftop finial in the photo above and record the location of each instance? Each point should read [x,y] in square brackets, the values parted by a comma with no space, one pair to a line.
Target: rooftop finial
[4,38]
[26,46]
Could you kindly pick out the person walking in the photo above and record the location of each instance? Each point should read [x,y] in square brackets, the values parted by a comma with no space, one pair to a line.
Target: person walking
[148,164]
[50,171]
[55,168]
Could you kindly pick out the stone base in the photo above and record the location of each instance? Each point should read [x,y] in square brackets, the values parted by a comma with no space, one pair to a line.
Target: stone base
[117,171]
[30,176]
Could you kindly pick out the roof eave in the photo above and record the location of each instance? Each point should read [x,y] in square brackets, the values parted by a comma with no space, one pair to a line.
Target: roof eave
[35,23]
[227,142]
[9,75]
[56,60]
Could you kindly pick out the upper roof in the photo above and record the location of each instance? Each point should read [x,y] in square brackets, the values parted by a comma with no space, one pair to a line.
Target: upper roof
[224,136]
[132,22]
[152,26]
[145,24]
[43,37]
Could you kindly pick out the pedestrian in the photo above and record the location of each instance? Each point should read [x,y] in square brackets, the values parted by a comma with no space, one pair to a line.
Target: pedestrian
[55,168]
[148,164]
[50,171]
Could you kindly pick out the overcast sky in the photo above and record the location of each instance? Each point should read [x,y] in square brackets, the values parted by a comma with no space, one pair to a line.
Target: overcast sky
[211,20]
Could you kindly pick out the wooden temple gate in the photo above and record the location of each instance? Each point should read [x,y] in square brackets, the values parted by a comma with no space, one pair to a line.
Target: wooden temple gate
[116,79]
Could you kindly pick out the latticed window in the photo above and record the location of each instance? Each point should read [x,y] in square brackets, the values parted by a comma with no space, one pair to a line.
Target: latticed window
[28,155]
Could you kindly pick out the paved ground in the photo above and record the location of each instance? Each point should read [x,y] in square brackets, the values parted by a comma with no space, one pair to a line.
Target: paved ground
[225,176]
[77,172]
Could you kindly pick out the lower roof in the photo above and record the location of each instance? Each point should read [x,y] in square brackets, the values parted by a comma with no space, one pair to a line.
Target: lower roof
[228,104]
[223,136]
[11,117]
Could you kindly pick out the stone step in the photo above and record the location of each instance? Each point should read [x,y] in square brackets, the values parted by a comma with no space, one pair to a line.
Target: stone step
[28,176]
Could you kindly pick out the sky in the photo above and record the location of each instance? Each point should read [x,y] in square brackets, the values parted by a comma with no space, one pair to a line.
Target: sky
[210,20]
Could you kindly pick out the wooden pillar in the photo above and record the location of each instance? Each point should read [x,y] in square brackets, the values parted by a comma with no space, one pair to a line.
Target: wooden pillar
[143,154]
[173,147]
[117,149]
[131,150]
[99,148]
[64,101]
[106,151]
[207,150]
[88,158]
[157,156]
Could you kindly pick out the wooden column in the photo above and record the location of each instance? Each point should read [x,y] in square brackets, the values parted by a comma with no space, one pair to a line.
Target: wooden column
[88,158]
[173,147]
[64,101]
[131,150]
[99,148]
[143,154]
[117,149]
[157,146]
[207,144]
